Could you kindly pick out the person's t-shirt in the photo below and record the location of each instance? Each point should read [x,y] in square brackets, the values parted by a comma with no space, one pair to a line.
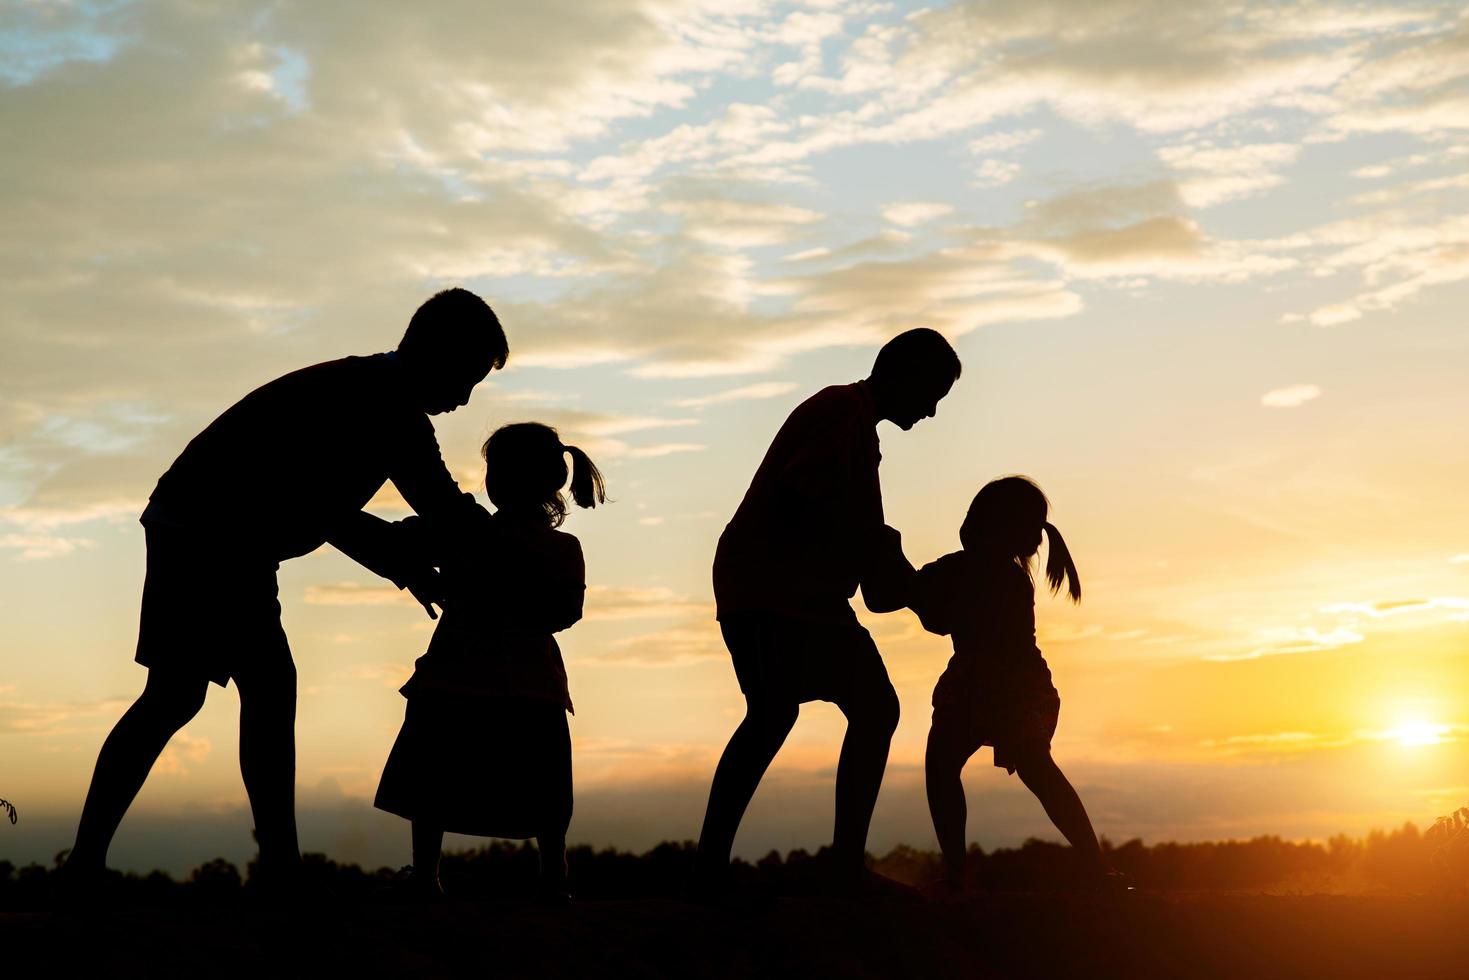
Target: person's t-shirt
[508,586]
[812,518]
[291,464]
[988,607]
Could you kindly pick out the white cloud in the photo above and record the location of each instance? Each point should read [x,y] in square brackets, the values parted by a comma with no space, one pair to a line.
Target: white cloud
[910,213]
[1291,396]
[1004,141]
[763,389]
[1212,174]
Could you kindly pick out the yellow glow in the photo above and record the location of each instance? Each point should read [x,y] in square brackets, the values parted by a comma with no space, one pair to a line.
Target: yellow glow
[1416,732]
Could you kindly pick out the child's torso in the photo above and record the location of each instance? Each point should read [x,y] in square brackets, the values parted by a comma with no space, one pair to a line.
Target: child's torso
[508,588]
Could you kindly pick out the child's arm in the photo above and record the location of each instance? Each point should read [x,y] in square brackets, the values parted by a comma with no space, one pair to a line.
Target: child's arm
[887,575]
[932,593]
[566,588]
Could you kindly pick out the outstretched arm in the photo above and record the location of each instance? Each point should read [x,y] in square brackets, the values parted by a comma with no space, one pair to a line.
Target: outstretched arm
[396,551]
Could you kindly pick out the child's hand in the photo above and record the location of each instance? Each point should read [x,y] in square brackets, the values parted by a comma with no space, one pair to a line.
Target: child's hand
[428,589]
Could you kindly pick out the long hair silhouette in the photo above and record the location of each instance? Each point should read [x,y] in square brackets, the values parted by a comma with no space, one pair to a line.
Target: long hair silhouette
[525,468]
[1008,515]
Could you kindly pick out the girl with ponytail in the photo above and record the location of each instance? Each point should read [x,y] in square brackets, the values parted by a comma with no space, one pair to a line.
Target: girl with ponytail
[997,688]
[485,748]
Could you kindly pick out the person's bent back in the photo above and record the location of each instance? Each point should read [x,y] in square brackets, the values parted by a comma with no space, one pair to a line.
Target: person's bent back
[280,471]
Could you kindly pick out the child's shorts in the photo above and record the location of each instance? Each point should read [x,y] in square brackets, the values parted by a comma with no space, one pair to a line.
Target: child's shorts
[1019,726]
[486,766]
[205,612]
[796,660]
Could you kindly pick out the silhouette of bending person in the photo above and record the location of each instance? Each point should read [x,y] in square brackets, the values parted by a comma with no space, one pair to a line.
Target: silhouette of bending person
[283,470]
[492,687]
[808,532]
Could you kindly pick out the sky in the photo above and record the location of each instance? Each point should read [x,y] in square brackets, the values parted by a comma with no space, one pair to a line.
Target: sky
[1205,264]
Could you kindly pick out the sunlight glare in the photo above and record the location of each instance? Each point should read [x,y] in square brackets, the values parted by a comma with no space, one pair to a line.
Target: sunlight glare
[1415,733]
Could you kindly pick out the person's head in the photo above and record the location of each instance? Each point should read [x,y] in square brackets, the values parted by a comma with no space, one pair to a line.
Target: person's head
[525,469]
[452,342]
[912,373]
[1005,522]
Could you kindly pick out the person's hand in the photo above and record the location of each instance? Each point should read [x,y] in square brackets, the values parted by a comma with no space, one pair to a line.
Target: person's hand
[428,589]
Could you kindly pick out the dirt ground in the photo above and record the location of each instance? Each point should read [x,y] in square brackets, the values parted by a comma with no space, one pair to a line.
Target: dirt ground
[1136,936]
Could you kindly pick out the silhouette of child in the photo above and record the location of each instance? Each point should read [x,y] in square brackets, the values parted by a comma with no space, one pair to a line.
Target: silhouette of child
[997,688]
[485,748]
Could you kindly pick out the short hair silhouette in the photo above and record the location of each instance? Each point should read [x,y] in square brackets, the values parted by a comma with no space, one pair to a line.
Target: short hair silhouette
[525,468]
[453,324]
[1002,512]
[921,350]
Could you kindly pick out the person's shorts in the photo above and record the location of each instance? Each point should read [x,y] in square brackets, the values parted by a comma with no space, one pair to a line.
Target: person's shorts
[786,659]
[1020,725]
[206,613]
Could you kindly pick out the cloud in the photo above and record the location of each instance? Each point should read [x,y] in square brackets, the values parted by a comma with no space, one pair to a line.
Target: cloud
[355,594]
[664,449]
[605,602]
[1002,142]
[1457,606]
[763,389]
[673,647]
[54,718]
[1283,640]
[183,752]
[39,546]
[42,532]
[1212,174]
[1291,396]
[910,213]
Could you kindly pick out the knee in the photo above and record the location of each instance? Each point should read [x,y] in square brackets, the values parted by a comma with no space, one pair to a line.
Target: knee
[171,702]
[943,757]
[879,711]
[772,716]
[275,681]
[1037,769]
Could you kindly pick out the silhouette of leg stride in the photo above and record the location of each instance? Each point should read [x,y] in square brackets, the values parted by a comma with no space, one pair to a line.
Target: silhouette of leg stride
[167,704]
[268,760]
[749,753]
[428,850]
[872,717]
[1045,779]
[943,762]
[946,754]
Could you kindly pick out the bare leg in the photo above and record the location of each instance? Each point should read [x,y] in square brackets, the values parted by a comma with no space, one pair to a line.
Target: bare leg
[428,849]
[942,764]
[168,703]
[552,848]
[268,759]
[748,754]
[1044,778]
[871,721]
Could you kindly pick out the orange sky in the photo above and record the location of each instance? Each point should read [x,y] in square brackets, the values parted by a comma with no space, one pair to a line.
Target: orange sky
[1206,270]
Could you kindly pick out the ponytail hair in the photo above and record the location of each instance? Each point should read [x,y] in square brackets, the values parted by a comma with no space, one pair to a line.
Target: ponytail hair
[1059,565]
[525,469]
[587,486]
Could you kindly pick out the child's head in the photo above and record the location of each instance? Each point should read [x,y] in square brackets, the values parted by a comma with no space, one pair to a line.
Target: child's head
[1005,521]
[525,469]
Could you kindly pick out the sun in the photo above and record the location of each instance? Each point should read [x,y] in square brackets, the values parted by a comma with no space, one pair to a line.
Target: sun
[1417,732]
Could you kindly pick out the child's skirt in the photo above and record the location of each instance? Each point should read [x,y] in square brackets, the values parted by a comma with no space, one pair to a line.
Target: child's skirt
[1016,711]
[486,766]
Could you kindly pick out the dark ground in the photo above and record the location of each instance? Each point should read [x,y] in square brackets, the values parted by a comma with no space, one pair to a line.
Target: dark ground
[1163,935]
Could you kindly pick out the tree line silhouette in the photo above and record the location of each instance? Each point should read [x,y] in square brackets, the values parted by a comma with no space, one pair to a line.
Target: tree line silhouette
[1405,860]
